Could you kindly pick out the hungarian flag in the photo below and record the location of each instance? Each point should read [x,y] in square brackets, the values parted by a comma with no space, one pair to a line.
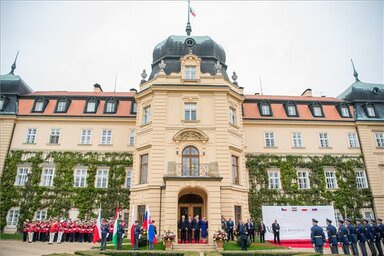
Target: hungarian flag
[115,226]
[133,227]
[192,12]
[96,230]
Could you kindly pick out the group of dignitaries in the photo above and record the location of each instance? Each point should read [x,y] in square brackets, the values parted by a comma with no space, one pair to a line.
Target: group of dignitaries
[229,227]
[195,225]
[365,233]
[55,230]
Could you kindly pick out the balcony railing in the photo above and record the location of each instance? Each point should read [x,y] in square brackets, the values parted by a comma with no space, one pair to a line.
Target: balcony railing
[198,170]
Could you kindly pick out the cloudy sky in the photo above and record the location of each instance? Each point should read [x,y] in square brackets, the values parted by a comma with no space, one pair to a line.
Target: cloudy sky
[70,45]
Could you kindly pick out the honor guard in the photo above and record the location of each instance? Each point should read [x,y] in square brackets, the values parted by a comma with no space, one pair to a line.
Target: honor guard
[343,236]
[332,237]
[370,237]
[360,230]
[377,237]
[352,236]
[317,237]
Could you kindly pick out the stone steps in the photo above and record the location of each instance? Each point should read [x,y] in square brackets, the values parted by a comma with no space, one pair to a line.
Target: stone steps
[194,247]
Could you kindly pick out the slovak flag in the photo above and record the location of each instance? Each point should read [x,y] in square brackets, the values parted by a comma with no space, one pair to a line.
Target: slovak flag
[192,11]
[147,218]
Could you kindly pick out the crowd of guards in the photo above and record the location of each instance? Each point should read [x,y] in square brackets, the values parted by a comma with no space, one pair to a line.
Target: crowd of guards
[364,234]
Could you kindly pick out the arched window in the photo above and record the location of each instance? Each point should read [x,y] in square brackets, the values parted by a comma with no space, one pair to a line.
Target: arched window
[190,166]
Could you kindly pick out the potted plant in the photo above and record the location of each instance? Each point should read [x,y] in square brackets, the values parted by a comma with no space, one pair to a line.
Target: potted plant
[219,237]
[168,237]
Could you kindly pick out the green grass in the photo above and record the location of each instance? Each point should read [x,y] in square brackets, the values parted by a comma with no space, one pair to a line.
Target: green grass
[17,236]
[233,246]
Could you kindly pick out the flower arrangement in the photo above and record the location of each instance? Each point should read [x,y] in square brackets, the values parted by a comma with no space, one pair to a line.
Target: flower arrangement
[219,235]
[168,236]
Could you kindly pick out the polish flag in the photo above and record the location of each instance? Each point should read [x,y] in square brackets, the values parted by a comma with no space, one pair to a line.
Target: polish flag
[96,230]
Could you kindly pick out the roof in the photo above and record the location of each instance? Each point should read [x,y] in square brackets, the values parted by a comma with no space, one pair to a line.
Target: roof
[292,98]
[363,92]
[89,94]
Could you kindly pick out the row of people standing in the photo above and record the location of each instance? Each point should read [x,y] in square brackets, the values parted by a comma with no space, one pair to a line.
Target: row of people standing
[229,227]
[198,227]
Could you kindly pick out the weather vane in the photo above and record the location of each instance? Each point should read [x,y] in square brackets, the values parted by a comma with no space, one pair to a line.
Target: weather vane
[13,67]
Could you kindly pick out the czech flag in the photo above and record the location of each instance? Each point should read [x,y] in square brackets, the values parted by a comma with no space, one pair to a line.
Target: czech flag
[192,12]
[147,218]
[133,227]
[96,230]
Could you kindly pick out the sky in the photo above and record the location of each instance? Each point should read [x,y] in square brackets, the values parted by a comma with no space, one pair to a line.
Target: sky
[290,45]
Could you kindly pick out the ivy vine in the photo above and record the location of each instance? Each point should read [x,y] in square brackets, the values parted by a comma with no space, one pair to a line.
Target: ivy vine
[63,196]
[348,198]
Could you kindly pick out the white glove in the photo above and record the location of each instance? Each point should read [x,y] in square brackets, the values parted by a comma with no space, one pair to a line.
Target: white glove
[107,235]
[122,236]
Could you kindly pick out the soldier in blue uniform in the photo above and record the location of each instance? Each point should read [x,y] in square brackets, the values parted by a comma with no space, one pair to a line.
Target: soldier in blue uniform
[136,234]
[317,237]
[352,236]
[332,237]
[377,237]
[370,237]
[381,227]
[104,228]
[360,230]
[343,237]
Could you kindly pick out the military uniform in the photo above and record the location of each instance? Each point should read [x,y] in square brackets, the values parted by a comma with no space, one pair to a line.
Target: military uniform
[381,227]
[377,237]
[343,237]
[360,230]
[370,237]
[332,237]
[352,237]
[317,237]
[120,235]
[104,234]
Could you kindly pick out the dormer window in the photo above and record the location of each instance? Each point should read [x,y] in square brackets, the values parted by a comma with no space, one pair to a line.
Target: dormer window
[190,72]
[290,109]
[316,109]
[265,109]
[39,105]
[3,101]
[133,107]
[110,106]
[62,105]
[370,110]
[343,110]
[91,105]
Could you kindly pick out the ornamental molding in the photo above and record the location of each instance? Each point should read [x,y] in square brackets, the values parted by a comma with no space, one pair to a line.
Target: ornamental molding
[190,134]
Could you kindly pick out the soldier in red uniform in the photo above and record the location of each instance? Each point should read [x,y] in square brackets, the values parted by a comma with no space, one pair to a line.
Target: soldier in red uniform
[60,231]
[52,231]
[25,230]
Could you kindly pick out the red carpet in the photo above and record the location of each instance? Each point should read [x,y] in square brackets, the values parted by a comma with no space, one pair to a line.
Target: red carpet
[193,242]
[297,243]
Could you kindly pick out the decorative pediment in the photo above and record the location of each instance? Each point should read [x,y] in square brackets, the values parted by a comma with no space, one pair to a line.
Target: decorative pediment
[190,134]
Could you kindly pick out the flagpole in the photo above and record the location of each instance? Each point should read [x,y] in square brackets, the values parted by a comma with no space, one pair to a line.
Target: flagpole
[189,8]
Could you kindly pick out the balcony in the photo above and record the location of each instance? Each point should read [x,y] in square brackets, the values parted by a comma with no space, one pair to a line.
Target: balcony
[198,171]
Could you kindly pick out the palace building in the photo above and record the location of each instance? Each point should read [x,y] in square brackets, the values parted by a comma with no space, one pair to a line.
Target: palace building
[186,143]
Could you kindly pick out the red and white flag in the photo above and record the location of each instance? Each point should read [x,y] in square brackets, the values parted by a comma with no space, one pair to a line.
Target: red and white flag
[97,229]
[133,227]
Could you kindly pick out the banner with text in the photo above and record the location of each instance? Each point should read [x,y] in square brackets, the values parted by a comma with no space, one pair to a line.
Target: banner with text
[295,221]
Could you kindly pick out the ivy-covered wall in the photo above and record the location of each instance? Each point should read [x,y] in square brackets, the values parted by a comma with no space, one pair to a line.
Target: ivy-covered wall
[63,196]
[347,195]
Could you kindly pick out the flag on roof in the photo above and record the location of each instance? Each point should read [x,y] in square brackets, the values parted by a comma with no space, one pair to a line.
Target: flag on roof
[192,11]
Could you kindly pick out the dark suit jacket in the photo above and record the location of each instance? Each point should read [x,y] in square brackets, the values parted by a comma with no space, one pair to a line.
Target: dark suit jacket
[196,225]
[275,227]
[262,229]
[243,232]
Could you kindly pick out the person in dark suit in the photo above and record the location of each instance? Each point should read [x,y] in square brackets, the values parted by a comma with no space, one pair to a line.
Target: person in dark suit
[243,232]
[230,226]
[262,231]
[332,237]
[251,230]
[197,229]
[104,228]
[317,237]
[276,232]
[183,229]
[189,224]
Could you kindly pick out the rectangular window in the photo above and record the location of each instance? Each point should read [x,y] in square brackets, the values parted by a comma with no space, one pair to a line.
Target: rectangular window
[85,137]
[338,216]
[265,110]
[55,136]
[91,106]
[297,141]
[352,140]
[369,215]
[41,215]
[371,111]
[269,139]
[190,111]
[235,170]
[134,107]
[80,178]
[361,179]
[140,213]
[110,108]
[102,178]
[330,179]
[291,110]
[106,137]
[129,177]
[147,114]
[274,179]
[13,217]
[379,136]
[21,176]
[317,111]
[238,214]
[2,101]
[143,168]
[190,72]
[324,141]
[31,136]
[39,105]
[344,111]
[132,137]
[61,106]
[303,179]
[232,116]
[47,177]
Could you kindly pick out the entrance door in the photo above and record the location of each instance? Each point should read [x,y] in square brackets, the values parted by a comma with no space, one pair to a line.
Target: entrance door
[190,210]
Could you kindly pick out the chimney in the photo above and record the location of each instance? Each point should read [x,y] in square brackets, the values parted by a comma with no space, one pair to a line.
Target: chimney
[97,88]
[133,90]
[307,93]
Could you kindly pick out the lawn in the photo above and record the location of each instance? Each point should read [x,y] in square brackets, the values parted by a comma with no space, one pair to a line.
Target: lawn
[17,236]
[233,246]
